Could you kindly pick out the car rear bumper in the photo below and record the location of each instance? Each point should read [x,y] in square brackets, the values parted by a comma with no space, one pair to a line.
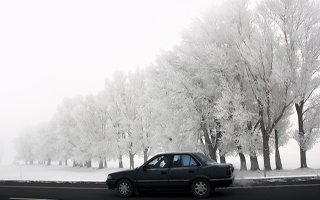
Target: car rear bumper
[222,182]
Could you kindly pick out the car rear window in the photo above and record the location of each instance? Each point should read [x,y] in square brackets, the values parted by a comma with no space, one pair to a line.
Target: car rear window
[205,158]
[183,161]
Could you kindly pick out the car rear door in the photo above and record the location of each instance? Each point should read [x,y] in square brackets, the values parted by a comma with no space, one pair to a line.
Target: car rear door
[154,175]
[183,169]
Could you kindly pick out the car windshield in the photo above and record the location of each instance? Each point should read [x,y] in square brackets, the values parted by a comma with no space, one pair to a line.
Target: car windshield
[205,158]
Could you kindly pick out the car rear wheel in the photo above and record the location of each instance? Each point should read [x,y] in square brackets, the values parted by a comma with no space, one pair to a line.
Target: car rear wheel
[200,188]
[124,188]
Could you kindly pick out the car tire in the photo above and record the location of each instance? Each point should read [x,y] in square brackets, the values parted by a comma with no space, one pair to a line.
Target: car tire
[201,188]
[124,188]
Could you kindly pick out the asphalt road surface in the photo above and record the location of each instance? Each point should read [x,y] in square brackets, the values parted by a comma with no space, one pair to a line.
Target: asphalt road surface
[70,191]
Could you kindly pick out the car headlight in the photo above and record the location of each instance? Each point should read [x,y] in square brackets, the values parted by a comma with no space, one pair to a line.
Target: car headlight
[109,177]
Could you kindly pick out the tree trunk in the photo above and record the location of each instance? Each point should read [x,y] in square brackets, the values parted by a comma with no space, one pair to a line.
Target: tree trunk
[265,142]
[66,162]
[145,154]
[31,162]
[120,161]
[266,152]
[209,145]
[218,136]
[101,164]
[60,162]
[277,153]
[48,162]
[253,156]
[105,164]
[131,158]
[88,163]
[74,164]
[254,162]
[243,162]
[303,157]
[222,157]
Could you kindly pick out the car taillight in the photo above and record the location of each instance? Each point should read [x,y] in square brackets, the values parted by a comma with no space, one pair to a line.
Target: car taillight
[229,170]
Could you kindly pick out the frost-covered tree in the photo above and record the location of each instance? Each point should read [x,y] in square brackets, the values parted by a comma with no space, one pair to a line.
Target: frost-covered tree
[25,145]
[193,69]
[264,63]
[105,139]
[137,122]
[146,118]
[114,125]
[281,137]
[176,127]
[232,111]
[187,89]
[66,128]
[296,23]
[311,125]
[76,128]
[93,140]
[125,91]
[91,125]
[46,141]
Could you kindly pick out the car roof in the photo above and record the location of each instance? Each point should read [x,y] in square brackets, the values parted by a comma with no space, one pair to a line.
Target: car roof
[174,153]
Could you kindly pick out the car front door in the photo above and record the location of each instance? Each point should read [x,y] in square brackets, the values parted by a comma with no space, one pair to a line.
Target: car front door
[184,167]
[154,174]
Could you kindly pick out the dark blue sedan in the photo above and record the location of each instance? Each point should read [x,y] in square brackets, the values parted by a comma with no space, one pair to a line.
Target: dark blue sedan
[194,172]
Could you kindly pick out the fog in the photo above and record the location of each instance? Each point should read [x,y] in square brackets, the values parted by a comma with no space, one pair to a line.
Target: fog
[51,50]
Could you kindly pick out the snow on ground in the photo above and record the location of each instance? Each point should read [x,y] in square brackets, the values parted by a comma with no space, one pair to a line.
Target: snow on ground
[277,173]
[53,173]
[63,173]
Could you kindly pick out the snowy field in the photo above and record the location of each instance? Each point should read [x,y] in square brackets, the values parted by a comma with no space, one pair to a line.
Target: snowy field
[62,173]
[53,173]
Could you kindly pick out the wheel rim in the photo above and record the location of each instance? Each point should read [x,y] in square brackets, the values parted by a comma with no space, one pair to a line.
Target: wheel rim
[124,188]
[200,188]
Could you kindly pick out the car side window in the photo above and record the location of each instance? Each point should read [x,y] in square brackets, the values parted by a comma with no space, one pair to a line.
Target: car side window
[183,161]
[159,162]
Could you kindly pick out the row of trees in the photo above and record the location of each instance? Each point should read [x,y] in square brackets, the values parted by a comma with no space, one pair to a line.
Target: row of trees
[230,88]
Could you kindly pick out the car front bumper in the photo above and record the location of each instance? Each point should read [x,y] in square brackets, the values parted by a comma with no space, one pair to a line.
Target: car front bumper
[111,184]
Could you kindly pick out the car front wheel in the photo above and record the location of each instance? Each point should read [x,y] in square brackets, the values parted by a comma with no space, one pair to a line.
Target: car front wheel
[200,188]
[124,188]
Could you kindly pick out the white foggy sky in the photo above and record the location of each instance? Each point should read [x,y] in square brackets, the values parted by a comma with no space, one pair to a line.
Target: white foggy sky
[50,50]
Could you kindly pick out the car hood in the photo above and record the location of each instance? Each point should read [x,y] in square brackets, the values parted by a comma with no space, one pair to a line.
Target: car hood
[122,172]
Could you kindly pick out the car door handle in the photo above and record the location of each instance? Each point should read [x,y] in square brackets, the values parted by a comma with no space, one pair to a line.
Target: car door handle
[163,172]
[191,171]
